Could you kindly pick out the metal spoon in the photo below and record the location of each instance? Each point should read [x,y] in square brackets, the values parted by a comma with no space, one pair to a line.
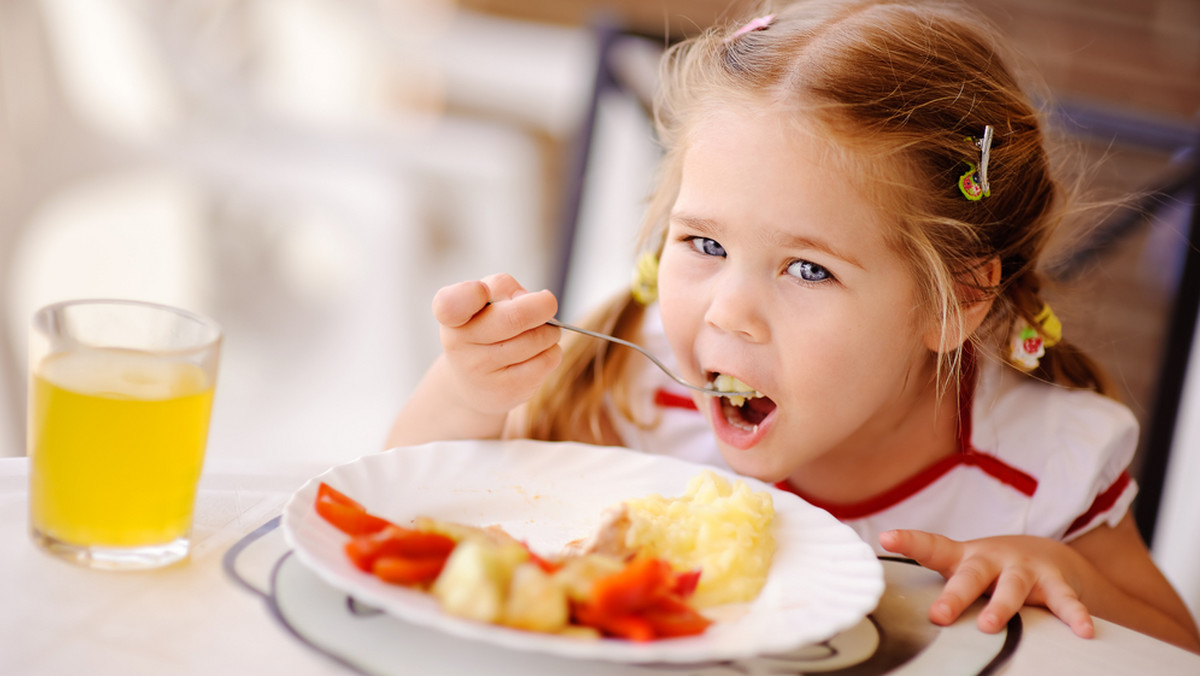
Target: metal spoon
[613,339]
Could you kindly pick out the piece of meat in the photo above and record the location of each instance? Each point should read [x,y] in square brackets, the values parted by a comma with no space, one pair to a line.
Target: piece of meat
[609,538]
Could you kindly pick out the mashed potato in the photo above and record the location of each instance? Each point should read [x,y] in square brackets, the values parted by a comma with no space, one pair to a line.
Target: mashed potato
[721,528]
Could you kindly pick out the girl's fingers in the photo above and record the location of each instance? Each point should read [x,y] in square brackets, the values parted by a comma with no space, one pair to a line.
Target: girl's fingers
[518,321]
[997,564]
[511,318]
[535,368]
[1062,600]
[455,305]
[935,552]
[519,349]
[970,581]
[502,286]
[514,383]
[1010,593]
[491,310]
[965,580]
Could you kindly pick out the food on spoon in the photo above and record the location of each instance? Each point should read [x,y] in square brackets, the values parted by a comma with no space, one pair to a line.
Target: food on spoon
[727,383]
[743,412]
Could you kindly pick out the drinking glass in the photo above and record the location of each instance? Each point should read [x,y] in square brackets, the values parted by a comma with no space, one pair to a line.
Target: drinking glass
[120,394]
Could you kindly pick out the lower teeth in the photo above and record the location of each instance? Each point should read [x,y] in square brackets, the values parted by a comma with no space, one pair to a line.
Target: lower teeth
[735,419]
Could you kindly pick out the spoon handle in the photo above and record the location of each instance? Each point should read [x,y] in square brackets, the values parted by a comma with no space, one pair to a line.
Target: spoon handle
[659,364]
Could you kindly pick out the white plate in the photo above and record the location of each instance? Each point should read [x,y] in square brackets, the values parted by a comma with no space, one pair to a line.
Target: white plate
[824,579]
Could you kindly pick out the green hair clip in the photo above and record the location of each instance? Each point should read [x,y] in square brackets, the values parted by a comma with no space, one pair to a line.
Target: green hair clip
[974,184]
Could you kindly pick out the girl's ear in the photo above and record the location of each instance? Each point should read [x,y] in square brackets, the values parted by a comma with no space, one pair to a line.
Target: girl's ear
[977,296]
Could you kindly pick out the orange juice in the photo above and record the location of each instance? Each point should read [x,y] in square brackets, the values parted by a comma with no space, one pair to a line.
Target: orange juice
[116,444]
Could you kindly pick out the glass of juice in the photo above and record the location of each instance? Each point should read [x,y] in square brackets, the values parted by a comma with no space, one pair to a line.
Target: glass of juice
[120,394]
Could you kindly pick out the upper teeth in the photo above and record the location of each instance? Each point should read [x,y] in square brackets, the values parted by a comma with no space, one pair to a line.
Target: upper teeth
[727,383]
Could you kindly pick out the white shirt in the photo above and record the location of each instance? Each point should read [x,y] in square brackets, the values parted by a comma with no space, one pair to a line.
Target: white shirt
[1042,460]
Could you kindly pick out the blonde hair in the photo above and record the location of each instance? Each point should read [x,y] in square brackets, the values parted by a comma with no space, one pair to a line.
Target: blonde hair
[900,87]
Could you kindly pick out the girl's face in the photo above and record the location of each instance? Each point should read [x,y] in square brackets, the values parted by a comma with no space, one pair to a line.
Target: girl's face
[776,272]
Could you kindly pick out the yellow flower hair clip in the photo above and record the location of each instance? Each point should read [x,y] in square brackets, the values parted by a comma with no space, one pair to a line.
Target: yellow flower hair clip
[645,278]
[1028,343]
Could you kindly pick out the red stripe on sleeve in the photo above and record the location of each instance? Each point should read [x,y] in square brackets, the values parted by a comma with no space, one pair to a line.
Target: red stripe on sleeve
[1101,504]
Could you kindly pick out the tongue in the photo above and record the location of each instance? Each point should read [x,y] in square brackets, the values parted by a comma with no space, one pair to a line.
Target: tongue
[756,410]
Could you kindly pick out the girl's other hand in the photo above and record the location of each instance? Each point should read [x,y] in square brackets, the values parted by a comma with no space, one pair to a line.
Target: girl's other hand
[496,343]
[1014,570]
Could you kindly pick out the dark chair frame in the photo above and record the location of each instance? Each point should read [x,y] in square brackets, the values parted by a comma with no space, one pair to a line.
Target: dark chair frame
[1180,183]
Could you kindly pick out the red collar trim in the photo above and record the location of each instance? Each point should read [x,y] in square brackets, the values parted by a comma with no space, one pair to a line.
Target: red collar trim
[989,464]
[966,455]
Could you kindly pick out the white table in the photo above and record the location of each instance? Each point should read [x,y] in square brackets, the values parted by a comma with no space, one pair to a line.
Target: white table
[192,618]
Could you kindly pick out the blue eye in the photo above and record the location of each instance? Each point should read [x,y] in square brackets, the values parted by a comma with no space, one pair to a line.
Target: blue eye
[808,271]
[708,247]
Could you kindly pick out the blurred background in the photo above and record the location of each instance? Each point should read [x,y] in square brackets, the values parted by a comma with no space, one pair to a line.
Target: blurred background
[309,172]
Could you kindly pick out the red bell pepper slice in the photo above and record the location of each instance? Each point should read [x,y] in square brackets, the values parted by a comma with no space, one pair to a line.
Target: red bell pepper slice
[345,514]
[642,602]
[407,571]
[635,587]
[684,584]
[628,626]
[671,617]
[328,493]
[395,541]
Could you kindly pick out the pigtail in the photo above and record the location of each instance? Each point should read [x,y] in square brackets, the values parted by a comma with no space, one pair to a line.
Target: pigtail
[1063,363]
[594,378]
[1068,365]
[571,404]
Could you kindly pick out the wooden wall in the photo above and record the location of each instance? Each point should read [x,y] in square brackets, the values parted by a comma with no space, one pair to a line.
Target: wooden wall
[1140,55]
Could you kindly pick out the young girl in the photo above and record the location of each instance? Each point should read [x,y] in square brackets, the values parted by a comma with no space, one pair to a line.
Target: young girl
[852,206]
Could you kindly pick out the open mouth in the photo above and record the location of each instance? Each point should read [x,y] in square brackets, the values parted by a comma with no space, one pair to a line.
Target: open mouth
[744,413]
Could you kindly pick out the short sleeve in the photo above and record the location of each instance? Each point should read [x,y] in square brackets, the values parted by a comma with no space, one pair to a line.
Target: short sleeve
[1084,482]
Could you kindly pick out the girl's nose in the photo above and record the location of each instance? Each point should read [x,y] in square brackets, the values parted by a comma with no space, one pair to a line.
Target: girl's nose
[736,307]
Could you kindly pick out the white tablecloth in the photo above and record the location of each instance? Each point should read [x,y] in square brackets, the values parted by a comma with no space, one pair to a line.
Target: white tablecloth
[56,618]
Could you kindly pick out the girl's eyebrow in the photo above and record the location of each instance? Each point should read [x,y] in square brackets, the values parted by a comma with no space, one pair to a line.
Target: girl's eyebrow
[782,240]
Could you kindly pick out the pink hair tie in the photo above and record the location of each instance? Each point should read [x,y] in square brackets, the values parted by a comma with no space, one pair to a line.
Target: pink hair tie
[759,24]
